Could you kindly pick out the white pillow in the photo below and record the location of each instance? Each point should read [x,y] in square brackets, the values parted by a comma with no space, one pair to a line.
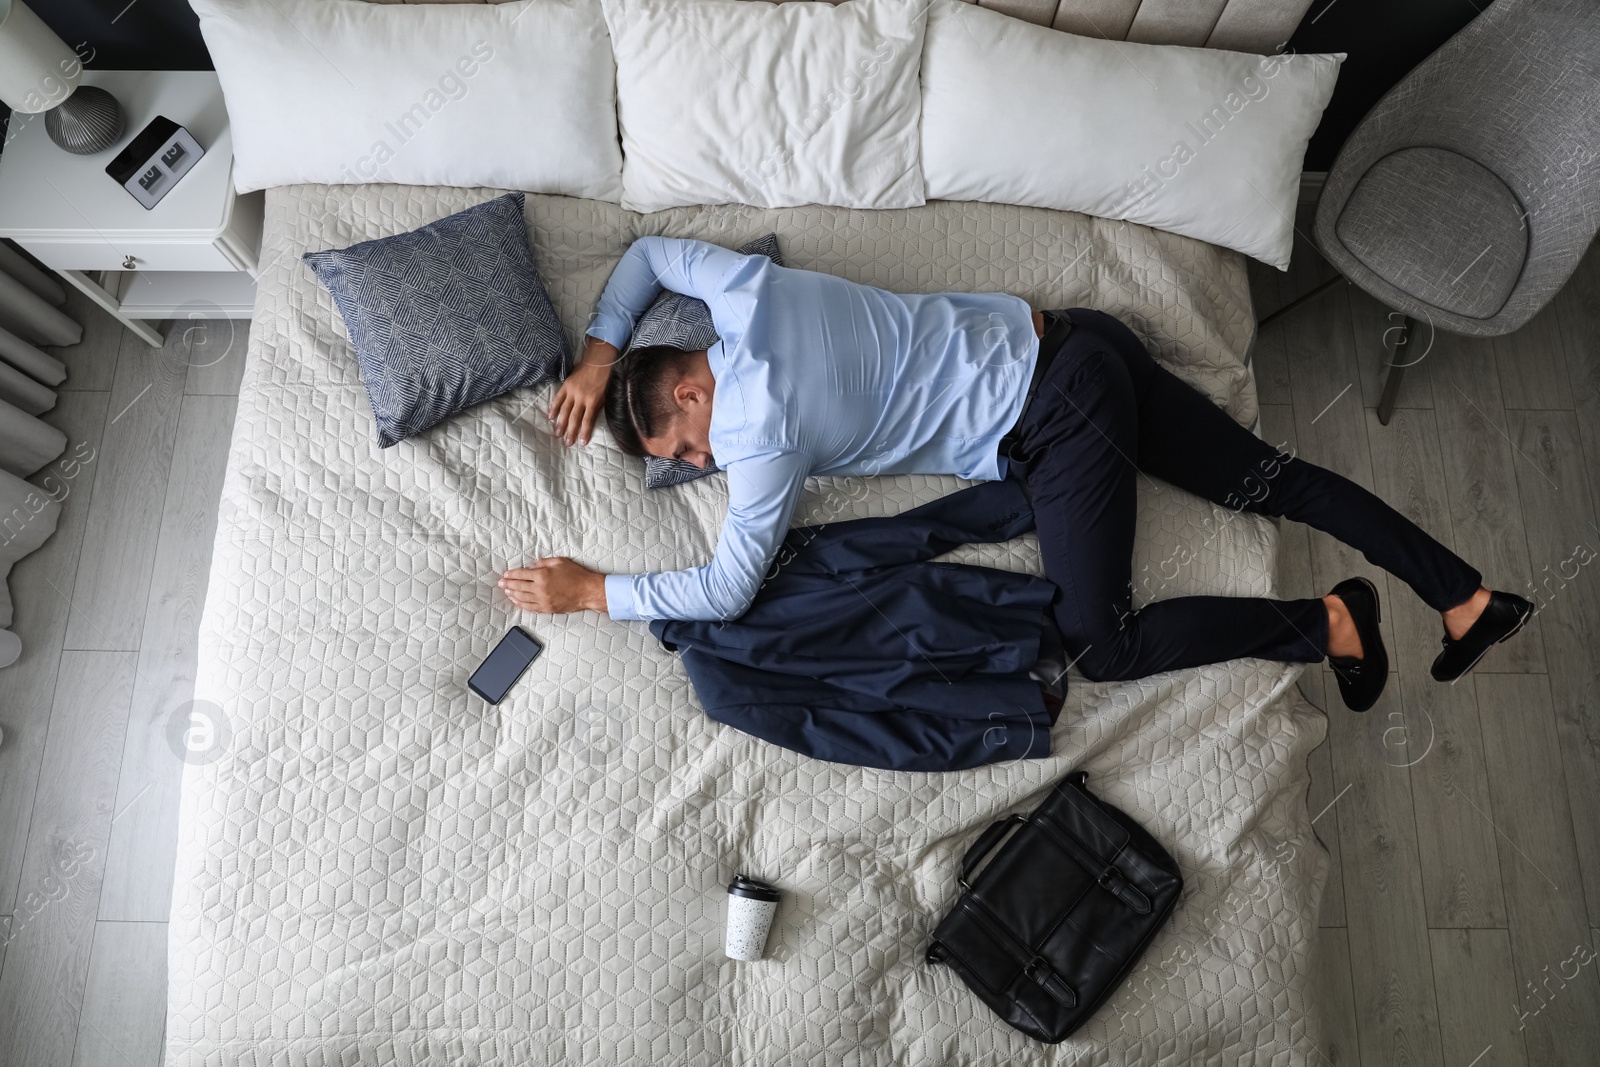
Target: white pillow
[512,96]
[1198,141]
[728,101]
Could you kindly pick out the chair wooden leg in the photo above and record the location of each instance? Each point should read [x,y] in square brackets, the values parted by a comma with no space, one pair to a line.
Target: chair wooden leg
[1397,358]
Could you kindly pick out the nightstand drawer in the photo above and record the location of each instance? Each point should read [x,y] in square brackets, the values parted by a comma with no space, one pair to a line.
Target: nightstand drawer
[147,255]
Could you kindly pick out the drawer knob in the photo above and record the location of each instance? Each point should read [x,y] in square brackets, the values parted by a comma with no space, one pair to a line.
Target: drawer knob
[128,262]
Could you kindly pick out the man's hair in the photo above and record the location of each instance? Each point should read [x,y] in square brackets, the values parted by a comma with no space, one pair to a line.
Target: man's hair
[639,402]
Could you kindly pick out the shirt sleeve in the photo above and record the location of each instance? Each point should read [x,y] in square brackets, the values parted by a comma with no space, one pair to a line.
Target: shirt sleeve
[762,493]
[694,268]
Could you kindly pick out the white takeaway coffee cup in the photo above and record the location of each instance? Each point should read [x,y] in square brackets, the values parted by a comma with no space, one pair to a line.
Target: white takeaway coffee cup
[751,906]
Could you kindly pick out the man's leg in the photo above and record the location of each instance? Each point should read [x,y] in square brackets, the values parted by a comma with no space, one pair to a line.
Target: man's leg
[1187,440]
[1079,442]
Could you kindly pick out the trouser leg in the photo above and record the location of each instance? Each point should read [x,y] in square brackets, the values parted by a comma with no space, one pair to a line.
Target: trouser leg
[1078,449]
[1188,441]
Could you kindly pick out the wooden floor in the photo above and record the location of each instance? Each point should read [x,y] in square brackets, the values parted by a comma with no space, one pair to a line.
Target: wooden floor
[1464,821]
[1458,927]
[107,611]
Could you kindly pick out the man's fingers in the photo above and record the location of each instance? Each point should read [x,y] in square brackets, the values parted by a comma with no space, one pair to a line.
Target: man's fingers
[589,416]
[544,586]
[533,569]
[525,594]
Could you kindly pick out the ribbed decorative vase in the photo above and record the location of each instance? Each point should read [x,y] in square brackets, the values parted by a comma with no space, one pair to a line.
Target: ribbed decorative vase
[88,121]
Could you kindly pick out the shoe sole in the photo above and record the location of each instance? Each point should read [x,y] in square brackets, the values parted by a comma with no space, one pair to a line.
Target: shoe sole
[1527,617]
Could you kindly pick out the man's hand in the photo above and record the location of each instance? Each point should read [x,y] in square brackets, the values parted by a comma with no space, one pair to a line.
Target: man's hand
[555,585]
[583,394]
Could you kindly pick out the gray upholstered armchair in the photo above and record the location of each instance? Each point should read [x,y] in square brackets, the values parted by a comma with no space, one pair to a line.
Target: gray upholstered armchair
[1468,195]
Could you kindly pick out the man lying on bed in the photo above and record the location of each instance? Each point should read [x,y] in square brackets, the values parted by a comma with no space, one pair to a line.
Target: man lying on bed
[818,375]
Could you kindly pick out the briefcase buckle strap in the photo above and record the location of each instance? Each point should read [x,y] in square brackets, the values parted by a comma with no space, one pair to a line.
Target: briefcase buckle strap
[1116,883]
[1039,970]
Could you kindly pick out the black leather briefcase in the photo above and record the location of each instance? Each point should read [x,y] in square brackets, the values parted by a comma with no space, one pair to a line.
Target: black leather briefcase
[1055,921]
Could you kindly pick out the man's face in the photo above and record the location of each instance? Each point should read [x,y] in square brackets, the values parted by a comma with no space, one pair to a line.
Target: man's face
[688,437]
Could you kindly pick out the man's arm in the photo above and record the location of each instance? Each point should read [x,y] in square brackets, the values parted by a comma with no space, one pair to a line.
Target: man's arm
[762,493]
[651,264]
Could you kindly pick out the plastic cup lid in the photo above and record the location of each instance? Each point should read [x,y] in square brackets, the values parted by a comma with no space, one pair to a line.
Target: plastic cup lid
[752,889]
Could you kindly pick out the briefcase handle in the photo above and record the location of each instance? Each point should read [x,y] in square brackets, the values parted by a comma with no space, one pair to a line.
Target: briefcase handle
[981,848]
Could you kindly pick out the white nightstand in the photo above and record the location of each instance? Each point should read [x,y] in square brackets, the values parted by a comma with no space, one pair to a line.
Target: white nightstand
[193,255]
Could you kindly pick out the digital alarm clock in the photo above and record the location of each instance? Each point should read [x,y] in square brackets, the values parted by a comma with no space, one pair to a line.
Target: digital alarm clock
[154,161]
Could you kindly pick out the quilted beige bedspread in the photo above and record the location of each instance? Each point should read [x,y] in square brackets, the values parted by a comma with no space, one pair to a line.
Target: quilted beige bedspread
[380,869]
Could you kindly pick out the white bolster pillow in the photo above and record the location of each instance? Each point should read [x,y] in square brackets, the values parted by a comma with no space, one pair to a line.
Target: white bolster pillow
[1199,141]
[511,96]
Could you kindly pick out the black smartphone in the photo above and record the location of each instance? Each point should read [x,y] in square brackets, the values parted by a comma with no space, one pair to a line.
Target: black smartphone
[496,675]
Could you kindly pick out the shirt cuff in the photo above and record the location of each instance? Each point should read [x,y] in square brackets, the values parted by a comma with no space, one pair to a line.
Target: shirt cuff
[619,597]
[611,329]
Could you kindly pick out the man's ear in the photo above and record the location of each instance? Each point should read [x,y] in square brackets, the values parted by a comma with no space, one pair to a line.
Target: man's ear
[688,391]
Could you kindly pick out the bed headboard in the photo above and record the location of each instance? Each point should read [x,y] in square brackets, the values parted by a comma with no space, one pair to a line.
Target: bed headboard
[1241,25]
[1263,26]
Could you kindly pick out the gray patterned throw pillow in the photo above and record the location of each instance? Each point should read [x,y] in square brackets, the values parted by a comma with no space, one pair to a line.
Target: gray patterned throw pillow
[445,317]
[685,322]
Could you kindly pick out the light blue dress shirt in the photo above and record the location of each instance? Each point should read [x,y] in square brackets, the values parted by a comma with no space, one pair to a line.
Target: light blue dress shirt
[818,375]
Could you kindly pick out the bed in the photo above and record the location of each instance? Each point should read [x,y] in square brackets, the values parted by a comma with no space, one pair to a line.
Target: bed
[381,869]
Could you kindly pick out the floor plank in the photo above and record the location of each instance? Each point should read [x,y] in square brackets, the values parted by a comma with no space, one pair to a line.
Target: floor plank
[1480,481]
[214,350]
[124,1002]
[47,962]
[1564,545]
[1333,993]
[120,541]
[1473,974]
[40,585]
[139,862]
[1578,310]
[1396,1015]
[1532,371]
[92,362]
[1440,738]
[1539,868]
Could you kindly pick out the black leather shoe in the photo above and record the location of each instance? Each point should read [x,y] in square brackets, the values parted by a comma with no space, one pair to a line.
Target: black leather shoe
[1361,681]
[1502,617]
